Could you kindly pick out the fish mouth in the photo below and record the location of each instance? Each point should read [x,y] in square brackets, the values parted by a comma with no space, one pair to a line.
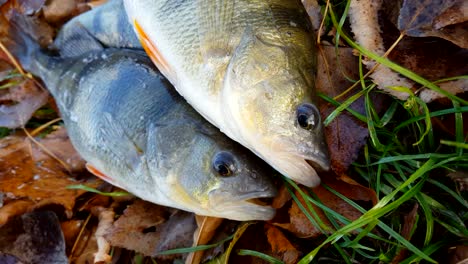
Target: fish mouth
[245,207]
[320,162]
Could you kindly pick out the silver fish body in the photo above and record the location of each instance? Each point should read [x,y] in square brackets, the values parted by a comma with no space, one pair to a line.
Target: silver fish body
[126,120]
[248,67]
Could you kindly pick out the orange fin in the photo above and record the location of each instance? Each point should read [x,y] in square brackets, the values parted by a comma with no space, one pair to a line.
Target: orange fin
[153,52]
[97,173]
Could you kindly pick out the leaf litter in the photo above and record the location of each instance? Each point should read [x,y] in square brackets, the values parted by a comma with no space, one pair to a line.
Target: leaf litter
[31,180]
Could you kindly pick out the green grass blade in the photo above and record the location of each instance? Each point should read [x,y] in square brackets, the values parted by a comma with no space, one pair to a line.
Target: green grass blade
[345,105]
[90,189]
[265,257]
[337,104]
[450,191]
[427,250]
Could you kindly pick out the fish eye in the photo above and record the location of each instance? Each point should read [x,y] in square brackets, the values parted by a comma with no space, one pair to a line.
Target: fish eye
[224,164]
[307,116]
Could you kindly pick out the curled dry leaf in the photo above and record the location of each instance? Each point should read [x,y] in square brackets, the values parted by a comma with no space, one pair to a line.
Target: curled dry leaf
[365,26]
[313,10]
[281,246]
[206,230]
[26,172]
[106,219]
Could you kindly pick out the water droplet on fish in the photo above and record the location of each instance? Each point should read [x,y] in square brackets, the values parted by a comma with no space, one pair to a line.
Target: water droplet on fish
[73,117]
[104,56]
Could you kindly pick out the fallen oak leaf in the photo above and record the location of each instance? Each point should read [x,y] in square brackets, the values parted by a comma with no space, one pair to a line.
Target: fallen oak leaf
[151,229]
[41,180]
[345,134]
[207,226]
[281,246]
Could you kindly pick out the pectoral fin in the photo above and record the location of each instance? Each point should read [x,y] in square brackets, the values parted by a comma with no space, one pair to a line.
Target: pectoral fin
[154,53]
[97,173]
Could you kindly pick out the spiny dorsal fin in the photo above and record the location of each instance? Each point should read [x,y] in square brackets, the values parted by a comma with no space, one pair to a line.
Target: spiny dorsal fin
[78,41]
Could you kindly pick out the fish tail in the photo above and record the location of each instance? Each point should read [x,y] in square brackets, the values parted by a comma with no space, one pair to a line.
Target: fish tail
[23,47]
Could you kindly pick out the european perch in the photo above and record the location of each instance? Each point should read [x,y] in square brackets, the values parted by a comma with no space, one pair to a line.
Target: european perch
[136,132]
[248,67]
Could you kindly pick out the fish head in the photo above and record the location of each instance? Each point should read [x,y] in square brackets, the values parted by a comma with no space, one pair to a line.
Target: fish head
[271,107]
[225,180]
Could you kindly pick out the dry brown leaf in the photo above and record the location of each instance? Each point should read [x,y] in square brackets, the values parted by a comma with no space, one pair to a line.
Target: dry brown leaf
[18,103]
[34,236]
[345,135]
[85,247]
[300,225]
[281,246]
[458,254]
[37,177]
[149,229]
[206,230]
[313,10]
[408,224]
[58,11]
[461,178]
[282,198]
[352,189]
[364,20]
[70,230]
[14,208]
[443,18]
